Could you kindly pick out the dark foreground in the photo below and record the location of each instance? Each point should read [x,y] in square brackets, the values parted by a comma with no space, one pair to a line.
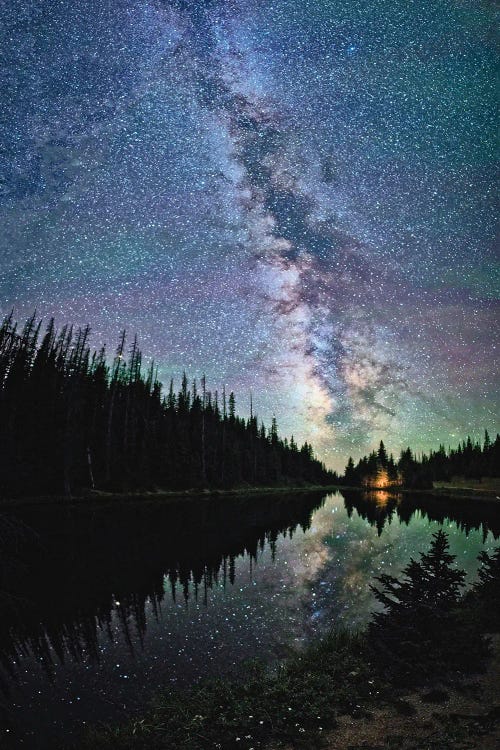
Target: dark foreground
[424,674]
[109,607]
[357,709]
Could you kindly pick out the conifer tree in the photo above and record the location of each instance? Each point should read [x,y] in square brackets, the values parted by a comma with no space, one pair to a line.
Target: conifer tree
[421,631]
[382,455]
[484,598]
[350,474]
[232,407]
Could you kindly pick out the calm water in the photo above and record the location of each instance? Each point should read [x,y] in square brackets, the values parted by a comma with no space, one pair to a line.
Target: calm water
[104,606]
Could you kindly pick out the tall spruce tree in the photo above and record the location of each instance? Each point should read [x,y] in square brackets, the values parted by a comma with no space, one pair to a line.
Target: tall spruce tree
[484,599]
[421,630]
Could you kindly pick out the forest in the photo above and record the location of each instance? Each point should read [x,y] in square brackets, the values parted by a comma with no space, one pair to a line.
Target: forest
[74,420]
[469,459]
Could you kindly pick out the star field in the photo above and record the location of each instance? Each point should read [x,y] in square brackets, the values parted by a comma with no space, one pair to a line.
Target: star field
[297,198]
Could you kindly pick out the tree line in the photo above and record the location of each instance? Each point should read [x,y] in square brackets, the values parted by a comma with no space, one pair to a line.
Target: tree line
[70,420]
[469,459]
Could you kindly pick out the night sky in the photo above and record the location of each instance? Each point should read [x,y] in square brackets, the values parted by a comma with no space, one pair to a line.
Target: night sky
[293,196]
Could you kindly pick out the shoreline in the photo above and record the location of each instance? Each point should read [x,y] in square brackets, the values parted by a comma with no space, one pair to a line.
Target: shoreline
[455,493]
[329,696]
[101,497]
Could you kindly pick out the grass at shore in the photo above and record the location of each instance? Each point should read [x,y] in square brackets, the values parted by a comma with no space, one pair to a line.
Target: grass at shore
[487,489]
[330,697]
[297,702]
[486,484]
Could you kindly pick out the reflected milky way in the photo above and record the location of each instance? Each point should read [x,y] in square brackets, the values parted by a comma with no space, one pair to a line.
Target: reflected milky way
[295,197]
[120,604]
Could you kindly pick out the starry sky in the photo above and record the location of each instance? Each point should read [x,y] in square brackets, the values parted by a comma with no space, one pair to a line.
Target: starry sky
[296,197]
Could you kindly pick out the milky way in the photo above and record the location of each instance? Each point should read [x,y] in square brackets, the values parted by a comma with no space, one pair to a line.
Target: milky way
[294,197]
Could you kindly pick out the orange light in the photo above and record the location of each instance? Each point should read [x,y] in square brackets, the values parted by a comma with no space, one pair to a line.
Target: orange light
[381,480]
[381,497]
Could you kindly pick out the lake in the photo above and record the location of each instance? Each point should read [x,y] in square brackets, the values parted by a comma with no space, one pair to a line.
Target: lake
[104,605]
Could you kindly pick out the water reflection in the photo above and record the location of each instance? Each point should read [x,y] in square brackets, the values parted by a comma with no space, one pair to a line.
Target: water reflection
[379,507]
[368,535]
[78,570]
[103,606]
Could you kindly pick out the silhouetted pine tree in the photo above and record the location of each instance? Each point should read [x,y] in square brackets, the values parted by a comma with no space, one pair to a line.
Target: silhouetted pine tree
[382,455]
[484,599]
[421,630]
